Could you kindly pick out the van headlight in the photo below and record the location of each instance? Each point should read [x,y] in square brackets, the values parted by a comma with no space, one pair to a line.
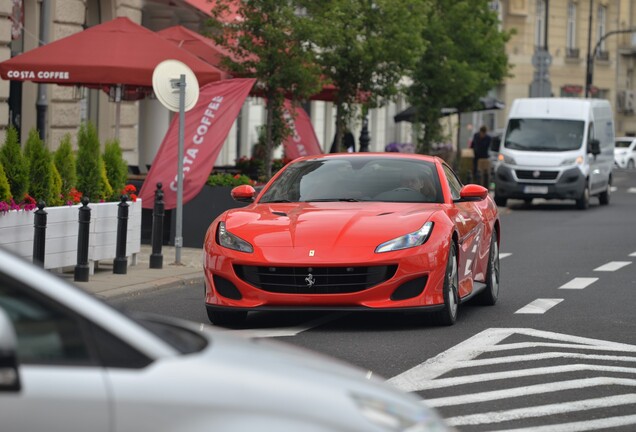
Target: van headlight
[406,241]
[393,417]
[506,159]
[577,160]
[231,241]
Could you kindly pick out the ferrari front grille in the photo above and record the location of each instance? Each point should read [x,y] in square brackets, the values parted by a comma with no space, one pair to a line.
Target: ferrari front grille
[314,280]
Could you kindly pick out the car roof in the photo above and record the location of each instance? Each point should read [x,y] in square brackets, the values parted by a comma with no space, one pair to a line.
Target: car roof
[386,155]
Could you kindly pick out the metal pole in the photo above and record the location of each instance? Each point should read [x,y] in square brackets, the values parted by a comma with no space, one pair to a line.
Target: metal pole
[178,239]
[42,102]
[39,234]
[120,264]
[156,258]
[588,69]
[82,268]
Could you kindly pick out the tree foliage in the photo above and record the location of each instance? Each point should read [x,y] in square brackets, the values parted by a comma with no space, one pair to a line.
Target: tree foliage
[116,167]
[64,159]
[464,59]
[89,163]
[5,189]
[270,43]
[41,181]
[16,166]
[365,48]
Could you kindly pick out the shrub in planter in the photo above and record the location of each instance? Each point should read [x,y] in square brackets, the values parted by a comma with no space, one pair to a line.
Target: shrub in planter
[15,164]
[57,197]
[90,167]
[224,179]
[116,167]
[64,159]
[5,189]
[41,183]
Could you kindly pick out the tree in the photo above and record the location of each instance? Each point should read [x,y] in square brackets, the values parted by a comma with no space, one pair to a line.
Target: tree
[365,48]
[116,167]
[270,43]
[64,159]
[90,166]
[41,180]
[465,58]
[15,164]
[5,189]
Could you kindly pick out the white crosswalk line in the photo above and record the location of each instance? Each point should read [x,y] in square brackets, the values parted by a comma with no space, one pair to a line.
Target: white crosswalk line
[578,283]
[542,410]
[631,190]
[528,390]
[633,254]
[504,255]
[613,189]
[582,426]
[612,266]
[539,306]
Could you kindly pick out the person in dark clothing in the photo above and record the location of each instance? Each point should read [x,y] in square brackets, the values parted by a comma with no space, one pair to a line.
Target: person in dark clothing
[481,161]
[348,143]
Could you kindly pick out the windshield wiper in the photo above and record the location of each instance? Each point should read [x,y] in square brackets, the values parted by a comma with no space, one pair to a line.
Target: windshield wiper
[333,200]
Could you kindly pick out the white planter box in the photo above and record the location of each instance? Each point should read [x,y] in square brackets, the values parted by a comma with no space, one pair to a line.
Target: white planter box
[62,225]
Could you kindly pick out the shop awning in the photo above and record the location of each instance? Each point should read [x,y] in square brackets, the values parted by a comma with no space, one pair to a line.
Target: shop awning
[113,53]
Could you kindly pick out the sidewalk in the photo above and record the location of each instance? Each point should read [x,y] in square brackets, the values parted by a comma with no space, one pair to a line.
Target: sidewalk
[104,283]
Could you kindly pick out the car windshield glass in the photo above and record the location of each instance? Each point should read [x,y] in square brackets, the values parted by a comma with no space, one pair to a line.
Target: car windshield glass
[544,135]
[623,144]
[183,340]
[356,178]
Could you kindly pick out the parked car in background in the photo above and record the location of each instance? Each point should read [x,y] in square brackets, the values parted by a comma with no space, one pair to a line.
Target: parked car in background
[364,231]
[625,152]
[71,363]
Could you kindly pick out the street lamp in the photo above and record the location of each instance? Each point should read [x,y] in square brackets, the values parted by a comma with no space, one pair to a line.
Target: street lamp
[590,59]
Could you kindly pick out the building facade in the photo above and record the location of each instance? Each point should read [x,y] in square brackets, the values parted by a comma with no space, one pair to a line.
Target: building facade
[556,30]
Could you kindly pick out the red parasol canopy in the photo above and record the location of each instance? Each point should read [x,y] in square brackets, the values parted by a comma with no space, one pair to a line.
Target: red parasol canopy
[115,52]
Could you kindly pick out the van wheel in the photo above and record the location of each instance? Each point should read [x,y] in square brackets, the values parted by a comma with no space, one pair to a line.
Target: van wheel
[604,197]
[500,201]
[583,203]
[630,164]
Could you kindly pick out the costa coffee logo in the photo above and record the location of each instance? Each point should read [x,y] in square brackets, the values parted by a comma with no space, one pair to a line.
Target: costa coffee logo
[26,75]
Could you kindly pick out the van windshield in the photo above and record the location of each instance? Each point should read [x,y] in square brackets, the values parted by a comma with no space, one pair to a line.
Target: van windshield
[544,135]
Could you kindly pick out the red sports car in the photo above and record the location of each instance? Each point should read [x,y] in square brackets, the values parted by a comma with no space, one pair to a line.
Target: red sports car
[358,231]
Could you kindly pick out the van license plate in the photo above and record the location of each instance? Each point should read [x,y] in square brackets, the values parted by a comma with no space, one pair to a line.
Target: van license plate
[536,189]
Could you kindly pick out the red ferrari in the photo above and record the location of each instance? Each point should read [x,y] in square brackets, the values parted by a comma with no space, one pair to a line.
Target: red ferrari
[358,231]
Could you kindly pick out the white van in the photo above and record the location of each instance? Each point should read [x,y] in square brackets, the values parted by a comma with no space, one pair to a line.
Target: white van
[556,148]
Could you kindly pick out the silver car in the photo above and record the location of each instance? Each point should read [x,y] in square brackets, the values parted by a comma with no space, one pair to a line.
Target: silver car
[69,362]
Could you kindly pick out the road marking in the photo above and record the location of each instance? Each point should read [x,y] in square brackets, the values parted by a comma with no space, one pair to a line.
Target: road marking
[489,340]
[582,426]
[633,254]
[282,331]
[613,266]
[613,189]
[539,306]
[579,283]
[528,390]
[542,410]
[504,255]
[631,190]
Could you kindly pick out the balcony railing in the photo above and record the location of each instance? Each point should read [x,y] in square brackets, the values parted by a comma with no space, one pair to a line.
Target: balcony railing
[572,53]
[602,55]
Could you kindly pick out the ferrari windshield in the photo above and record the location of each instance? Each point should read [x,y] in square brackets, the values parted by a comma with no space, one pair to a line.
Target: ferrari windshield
[544,135]
[353,179]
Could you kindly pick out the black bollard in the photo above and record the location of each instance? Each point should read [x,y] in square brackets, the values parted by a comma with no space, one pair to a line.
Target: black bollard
[120,264]
[156,258]
[39,234]
[82,268]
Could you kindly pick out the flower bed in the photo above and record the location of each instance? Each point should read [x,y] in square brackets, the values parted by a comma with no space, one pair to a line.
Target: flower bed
[17,230]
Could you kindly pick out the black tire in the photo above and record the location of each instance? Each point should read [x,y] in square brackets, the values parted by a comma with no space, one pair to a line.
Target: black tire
[448,315]
[583,203]
[630,164]
[490,295]
[527,201]
[604,197]
[500,201]
[226,318]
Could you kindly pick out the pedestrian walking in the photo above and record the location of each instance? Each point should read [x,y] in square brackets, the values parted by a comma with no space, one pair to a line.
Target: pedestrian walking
[481,161]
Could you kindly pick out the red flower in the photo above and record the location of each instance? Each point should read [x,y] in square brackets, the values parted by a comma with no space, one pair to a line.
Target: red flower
[133,197]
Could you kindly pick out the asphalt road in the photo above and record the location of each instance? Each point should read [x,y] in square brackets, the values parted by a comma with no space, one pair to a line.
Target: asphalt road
[557,352]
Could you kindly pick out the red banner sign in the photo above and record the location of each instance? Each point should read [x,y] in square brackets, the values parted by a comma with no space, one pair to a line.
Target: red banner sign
[303,140]
[206,128]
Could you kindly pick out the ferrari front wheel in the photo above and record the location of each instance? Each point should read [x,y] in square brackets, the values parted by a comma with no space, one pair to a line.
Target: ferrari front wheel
[490,295]
[448,315]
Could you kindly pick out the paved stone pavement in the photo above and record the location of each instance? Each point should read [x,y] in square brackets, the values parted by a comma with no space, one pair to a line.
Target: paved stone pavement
[140,277]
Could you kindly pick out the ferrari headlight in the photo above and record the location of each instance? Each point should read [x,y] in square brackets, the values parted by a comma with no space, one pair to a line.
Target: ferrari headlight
[393,417]
[406,241]
[230,241]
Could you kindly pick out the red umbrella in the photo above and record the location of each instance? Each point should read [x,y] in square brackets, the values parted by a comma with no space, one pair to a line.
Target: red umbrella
[115,52]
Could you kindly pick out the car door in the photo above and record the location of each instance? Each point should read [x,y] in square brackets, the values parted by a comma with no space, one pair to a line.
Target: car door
[62,387]
[467,218]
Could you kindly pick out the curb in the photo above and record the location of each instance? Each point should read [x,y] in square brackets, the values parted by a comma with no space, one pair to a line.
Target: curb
[155,285]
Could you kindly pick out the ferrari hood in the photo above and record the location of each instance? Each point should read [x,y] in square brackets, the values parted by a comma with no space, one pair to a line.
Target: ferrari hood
[329,224]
